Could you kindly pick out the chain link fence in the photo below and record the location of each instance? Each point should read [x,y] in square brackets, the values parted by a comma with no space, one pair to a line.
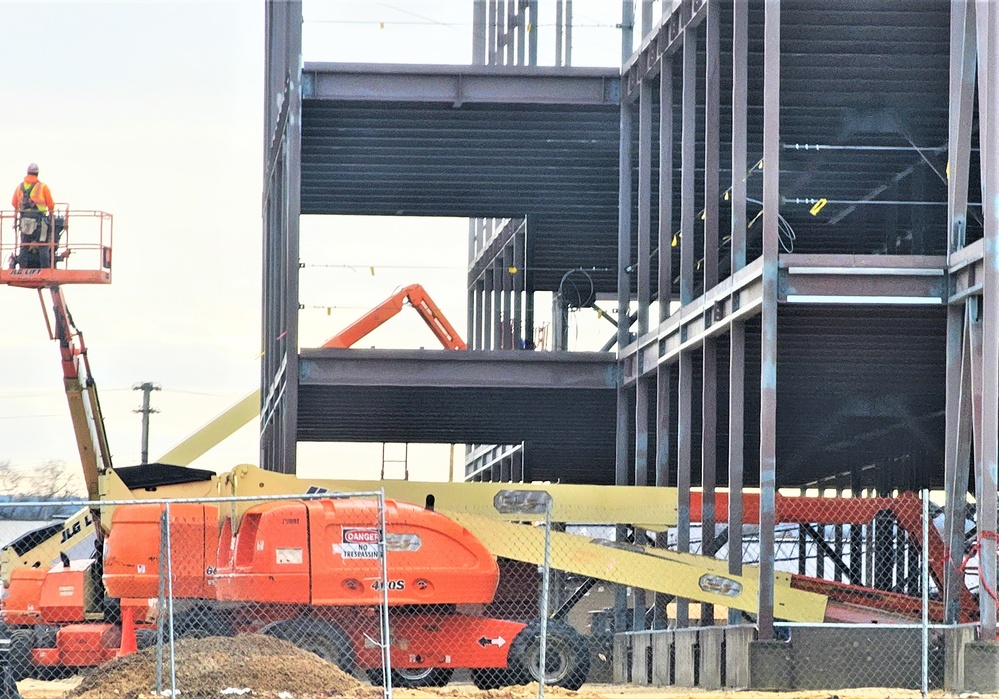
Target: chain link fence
[399,595]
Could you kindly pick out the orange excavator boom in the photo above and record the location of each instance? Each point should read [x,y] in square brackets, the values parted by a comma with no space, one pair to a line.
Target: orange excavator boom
[419,299]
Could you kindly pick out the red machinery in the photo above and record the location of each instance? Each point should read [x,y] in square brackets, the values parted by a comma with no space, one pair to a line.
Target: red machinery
[855,603]
[308,571]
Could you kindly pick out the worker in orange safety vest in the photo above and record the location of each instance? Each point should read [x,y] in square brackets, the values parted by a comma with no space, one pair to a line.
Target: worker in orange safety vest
[33,205]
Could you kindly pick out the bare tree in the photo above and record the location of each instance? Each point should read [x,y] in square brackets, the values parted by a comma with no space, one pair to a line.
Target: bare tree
[12,480]
[53,480]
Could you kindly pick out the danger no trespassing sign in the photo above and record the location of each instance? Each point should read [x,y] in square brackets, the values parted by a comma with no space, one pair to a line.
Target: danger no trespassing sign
[361,543]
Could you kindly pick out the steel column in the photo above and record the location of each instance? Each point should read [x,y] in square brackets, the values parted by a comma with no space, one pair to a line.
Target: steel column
[478,334]
[740,102]
[737,331]
[491,23]
[497,320]
[643,264]
[642,432]
[664,372]
[956,488]
[281,210]
[641,478]
[521,19]
[568,32]
[688,165]
[709,457]
[623,285]
[518,287]
[963,58]
[664,379]
[736,441]
[479,32]
[509,330]
[528,288]
[712,145]
[627,30]
[768,369]
[559,23]
[665,187]
[532,33]
[509,33]
[487,309]
[684,438]
[988,56]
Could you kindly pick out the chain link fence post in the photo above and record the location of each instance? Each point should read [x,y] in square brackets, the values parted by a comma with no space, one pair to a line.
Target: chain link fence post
[161,602]
[925,585]
[170,625]
[545,592]
[383,612]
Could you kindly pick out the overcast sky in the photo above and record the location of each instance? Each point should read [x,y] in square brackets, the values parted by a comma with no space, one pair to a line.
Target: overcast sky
[152,111]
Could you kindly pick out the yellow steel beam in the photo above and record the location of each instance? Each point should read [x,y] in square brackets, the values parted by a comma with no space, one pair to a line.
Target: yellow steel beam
[214,432]
[646,507]
[682,575]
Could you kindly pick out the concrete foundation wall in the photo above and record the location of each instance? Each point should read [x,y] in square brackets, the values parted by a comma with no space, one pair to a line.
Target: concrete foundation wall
[838,658]
[709,658]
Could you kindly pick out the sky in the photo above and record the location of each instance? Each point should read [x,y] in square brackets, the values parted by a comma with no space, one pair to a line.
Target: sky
[152,111]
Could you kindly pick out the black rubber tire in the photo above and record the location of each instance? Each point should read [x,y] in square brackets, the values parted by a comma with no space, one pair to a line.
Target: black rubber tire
[145,638]
[492,677]
[325,639]
[567,661]
[19,659]
[423,677]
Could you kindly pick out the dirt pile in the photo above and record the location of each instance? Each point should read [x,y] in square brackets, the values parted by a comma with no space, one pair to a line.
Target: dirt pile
[207,666]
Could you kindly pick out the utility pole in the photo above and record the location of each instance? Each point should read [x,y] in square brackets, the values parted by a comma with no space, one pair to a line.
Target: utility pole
[146,389]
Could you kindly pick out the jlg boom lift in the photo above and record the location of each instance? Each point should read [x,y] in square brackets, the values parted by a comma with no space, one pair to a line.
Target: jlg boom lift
[50,629]
[37,595]
[58,616]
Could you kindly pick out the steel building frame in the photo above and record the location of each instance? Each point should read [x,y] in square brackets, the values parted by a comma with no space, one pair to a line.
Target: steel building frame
[672,121]
[966,279]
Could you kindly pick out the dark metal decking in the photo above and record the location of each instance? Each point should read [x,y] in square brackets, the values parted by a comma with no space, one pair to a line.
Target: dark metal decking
[559,404]
[470,141]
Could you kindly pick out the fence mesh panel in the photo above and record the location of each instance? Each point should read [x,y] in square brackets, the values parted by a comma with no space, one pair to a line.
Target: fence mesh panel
[465,596]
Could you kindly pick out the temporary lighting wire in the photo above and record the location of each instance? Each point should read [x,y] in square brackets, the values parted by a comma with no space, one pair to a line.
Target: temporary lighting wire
[789,236]
[581,301]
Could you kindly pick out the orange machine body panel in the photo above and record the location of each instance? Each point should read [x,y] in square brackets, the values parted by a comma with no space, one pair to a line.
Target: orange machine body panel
[268,561]
[24,594]
[326,553]
[81,645]
[132,557]
[435,640]
[64,593]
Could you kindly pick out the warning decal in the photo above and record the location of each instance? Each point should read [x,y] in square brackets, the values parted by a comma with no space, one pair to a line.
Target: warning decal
[361,543]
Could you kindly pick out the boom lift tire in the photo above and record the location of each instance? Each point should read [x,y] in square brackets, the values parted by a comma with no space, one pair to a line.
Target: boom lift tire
[145,638]
[21,643]
[46,637]
[325,639]
[492,678]
[567,660]
[414,677]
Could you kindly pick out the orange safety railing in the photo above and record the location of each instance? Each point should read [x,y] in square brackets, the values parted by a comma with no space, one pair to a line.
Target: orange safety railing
[77,250]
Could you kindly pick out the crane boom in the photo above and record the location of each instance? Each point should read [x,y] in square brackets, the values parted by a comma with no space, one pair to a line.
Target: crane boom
[81,391]
[248,407]
[420,300]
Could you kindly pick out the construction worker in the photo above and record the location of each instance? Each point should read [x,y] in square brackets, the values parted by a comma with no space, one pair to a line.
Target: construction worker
[34,207]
